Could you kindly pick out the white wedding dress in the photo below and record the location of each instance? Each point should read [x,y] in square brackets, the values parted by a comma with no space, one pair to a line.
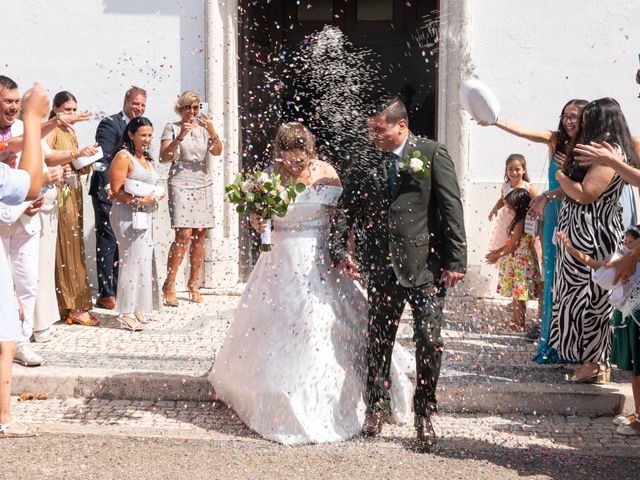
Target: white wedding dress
[293,364]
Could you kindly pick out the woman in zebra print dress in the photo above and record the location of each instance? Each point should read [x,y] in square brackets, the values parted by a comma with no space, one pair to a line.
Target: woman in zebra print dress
[591,216]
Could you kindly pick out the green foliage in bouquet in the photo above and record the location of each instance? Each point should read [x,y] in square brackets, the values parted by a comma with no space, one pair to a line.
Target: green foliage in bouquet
[262,193]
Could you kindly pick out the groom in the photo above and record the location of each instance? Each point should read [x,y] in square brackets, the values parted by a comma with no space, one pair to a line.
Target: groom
[412,248]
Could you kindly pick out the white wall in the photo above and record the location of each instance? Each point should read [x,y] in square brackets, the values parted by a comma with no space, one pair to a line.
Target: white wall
[536,55]
[97,49]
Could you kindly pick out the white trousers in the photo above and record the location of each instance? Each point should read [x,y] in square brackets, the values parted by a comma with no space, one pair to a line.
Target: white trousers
[22,250]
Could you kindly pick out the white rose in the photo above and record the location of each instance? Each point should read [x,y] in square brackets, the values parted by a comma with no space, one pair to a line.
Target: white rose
[247,186]
[415,164]
[284,196]
[264,177]
[280,189]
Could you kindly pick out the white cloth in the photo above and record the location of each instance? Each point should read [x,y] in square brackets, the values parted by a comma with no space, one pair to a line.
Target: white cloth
[46,309]
[14,185]
[21,249]
[293,364]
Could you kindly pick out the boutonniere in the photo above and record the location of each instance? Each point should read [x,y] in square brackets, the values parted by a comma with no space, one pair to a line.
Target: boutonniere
[417,163]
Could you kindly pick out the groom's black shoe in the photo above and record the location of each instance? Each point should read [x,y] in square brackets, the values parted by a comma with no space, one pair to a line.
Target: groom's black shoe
[425,433]
[373,423]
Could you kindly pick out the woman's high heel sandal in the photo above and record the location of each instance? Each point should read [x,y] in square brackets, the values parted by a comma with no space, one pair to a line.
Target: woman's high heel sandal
[84,318]
[129,323]
[599,377]
[169,293]
[141,318]
[194,294]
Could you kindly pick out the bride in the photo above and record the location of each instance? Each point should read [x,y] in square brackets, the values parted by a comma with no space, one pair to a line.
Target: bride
[293,364]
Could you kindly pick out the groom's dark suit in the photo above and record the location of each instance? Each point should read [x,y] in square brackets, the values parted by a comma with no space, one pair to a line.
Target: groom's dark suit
[410,231]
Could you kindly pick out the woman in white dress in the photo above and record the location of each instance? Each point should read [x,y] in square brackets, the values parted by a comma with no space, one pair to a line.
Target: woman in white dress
[293,364]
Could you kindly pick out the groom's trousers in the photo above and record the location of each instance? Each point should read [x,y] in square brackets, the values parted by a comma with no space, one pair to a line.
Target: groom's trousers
[386,303]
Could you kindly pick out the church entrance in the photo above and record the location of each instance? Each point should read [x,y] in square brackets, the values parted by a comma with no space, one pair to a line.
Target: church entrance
[401,34]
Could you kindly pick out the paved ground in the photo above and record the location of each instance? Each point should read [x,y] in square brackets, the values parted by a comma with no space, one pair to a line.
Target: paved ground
[123,438]
[87,439]
[184,341]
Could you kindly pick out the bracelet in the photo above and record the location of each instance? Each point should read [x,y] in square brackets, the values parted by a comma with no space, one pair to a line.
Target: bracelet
[179,139]
[544,194]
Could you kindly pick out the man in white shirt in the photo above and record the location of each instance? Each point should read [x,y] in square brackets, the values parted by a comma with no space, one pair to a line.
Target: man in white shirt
[16,186]
[19,231]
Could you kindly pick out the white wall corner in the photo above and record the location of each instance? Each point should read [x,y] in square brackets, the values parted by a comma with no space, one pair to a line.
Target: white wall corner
[456,66]
[221,26]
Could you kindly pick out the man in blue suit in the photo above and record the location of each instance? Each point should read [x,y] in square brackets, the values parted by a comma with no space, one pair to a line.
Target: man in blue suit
[109,136]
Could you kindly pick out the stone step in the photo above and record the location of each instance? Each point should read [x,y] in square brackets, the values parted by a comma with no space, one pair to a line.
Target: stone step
[475,395]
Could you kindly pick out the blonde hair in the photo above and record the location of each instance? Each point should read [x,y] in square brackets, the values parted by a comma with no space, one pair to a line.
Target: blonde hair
[294,136]
[186,99]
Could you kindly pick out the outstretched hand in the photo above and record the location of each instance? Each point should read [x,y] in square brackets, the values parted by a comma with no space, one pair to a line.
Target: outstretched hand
[597,154]
[625,266]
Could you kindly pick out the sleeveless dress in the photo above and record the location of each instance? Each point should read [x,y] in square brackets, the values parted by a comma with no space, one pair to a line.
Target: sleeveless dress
[581,310]
[547,354]
[293,364]
[72,279]
[138,276]
[519,276]
[504,219]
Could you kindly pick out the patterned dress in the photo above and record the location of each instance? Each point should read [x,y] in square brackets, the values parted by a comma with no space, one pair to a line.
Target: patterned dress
[581,311]
[519,274]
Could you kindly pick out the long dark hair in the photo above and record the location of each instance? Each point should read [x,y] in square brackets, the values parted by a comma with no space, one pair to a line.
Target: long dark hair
[518,199]
[602,120]
[563,140]
[132,127]
[60,99]
[516,157]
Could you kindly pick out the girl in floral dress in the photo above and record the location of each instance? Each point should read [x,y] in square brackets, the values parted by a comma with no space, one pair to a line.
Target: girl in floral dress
[519,273]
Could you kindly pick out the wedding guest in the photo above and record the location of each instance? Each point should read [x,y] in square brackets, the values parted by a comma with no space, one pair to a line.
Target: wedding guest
[19,228]
[186,144]
[625,352]
[591,216]
[519,277]
[72,280]
[546,205]
[109,136]
[132,219]
[16,186]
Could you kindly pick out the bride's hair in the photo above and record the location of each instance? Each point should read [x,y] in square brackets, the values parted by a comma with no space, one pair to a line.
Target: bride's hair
[294,136]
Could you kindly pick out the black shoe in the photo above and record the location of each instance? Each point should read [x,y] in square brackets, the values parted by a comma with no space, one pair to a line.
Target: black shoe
[425,433]
[533,334]
[373,423]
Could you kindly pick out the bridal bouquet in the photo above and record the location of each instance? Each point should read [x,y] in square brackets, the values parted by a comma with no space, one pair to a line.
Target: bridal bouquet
[264,194]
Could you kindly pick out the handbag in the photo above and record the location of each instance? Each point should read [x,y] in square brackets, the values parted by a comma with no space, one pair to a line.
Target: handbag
[140,220]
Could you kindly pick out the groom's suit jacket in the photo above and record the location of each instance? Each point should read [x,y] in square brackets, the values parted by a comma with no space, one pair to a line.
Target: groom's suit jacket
[415,233]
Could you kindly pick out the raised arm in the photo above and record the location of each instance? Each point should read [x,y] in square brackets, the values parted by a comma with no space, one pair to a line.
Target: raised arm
[589,190]
[537,136]
[345,216]
[35,105]
[607,155]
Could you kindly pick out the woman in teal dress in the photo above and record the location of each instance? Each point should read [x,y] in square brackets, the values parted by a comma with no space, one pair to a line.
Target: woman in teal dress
[547,205]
